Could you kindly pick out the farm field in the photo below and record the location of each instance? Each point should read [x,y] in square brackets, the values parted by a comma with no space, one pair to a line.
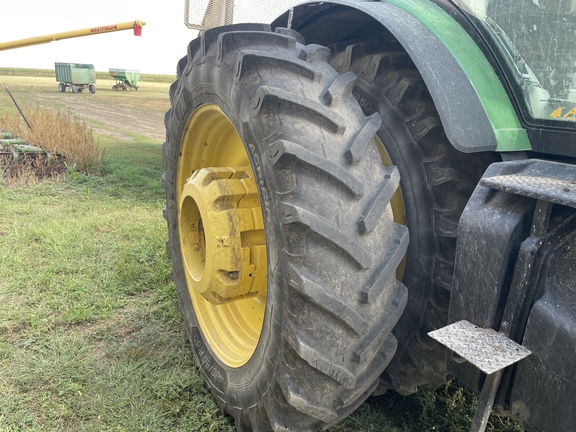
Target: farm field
[118,115]
[90,334]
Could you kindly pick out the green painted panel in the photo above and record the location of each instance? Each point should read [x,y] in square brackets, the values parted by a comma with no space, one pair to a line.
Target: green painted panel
[509,133]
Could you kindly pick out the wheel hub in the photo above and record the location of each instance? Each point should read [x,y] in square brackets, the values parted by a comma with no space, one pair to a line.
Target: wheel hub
[222,234]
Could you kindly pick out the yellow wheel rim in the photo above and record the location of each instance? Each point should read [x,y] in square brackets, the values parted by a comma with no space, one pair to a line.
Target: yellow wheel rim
[221,235]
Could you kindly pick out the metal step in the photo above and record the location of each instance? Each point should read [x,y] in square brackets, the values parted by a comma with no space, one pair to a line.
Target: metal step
[488,350]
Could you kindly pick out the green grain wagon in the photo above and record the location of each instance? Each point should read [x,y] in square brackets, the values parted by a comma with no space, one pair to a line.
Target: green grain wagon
[75,76]
[126,79]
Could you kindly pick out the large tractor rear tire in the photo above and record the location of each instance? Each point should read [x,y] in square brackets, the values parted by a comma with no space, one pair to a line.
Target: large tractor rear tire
[436,183]
[283,244]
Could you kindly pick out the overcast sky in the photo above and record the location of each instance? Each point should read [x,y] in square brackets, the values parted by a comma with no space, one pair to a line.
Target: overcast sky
[163,42]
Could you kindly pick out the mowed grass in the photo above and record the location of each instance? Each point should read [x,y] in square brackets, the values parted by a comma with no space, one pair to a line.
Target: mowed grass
[90,338]
[90,335]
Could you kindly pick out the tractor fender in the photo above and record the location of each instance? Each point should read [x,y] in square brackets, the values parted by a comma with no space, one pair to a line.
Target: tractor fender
[474,108]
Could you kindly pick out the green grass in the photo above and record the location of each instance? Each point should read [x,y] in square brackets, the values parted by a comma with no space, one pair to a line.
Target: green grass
[90,335]
[90,338]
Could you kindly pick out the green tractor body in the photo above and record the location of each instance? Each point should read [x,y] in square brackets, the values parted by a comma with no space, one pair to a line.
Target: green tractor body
[372,196]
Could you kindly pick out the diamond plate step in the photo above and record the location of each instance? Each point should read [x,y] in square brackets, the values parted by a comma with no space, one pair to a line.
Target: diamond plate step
[487,349]
[544,180]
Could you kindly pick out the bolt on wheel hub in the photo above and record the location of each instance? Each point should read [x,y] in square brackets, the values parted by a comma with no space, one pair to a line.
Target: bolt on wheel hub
[223,234]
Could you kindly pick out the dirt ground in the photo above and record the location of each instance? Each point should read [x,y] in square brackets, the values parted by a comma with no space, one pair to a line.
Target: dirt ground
[121,115]
[125,114]
[126,120]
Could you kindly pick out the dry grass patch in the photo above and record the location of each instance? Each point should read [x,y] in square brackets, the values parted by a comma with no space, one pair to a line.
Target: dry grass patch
[56,132]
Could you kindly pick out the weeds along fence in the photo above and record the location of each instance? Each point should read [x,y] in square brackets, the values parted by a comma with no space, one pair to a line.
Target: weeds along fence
[57,132]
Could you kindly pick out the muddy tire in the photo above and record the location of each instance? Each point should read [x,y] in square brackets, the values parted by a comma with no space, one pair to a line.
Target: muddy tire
[301,339]
[436,183]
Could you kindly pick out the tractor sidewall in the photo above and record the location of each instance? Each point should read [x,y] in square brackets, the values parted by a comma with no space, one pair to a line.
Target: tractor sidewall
[256,374]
